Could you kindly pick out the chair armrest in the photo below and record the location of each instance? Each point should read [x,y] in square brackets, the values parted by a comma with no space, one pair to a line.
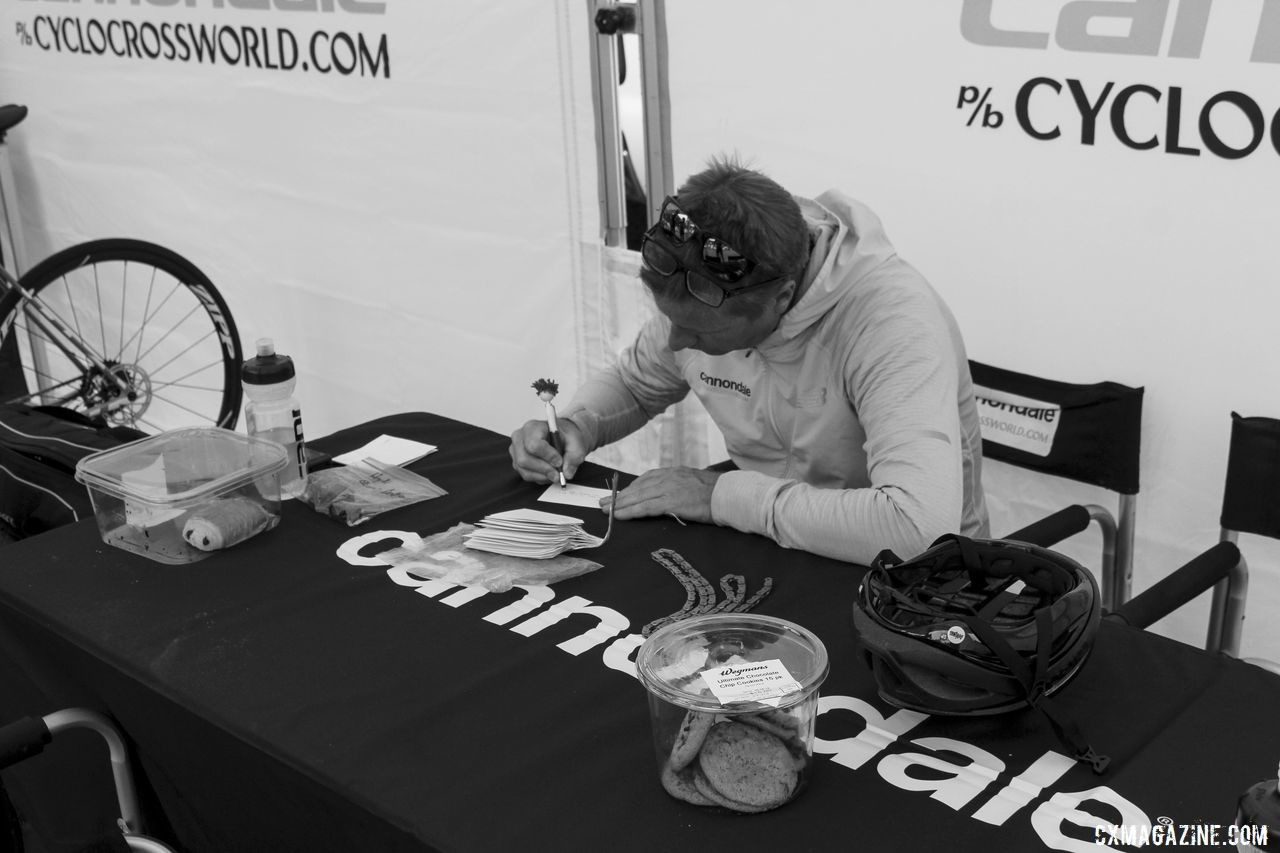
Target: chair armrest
[1052,529]
[1197,576]
[22,739]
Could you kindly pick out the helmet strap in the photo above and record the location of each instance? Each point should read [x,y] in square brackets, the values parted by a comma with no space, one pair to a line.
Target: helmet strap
[1034,685]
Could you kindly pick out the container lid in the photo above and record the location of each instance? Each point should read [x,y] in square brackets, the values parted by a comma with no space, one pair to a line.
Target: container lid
[267,367]
[181,467]
[717,662]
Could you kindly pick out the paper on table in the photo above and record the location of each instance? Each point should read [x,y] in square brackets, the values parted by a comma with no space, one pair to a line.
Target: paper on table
[530,533]
[535,534]
[574,495]
[387,449]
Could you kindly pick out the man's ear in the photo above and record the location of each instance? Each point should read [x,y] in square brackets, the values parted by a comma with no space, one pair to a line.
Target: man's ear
[785,295]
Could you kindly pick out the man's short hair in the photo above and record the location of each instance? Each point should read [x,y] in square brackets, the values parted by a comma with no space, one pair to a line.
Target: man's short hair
[751,212]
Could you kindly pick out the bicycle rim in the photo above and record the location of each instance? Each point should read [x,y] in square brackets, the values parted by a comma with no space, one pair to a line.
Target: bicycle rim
[165,352]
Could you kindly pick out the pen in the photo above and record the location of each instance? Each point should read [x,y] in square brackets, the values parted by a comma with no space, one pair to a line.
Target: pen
[557,440]
[547,390]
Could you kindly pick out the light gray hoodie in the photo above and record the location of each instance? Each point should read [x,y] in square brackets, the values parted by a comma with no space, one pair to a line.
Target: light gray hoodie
[853,424]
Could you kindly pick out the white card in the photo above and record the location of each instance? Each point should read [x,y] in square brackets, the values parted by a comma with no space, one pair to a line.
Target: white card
[387,449]
[574,495]
[535,516]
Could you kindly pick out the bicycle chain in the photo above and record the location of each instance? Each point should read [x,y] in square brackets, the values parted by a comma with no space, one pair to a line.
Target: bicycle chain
[700,595]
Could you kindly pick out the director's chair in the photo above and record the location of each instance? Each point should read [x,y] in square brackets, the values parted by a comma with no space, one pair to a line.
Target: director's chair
[1250,504]
[1089,433]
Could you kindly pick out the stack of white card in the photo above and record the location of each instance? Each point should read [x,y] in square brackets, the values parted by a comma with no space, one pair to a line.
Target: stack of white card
[531,533]
[387,449]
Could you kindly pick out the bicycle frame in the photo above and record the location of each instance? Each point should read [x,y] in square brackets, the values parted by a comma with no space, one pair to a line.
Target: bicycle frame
[86,361]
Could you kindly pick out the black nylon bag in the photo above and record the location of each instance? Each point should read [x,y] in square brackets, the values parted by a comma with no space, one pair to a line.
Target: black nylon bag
[39,449]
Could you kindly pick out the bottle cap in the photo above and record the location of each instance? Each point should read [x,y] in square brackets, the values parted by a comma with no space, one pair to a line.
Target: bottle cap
[267,367]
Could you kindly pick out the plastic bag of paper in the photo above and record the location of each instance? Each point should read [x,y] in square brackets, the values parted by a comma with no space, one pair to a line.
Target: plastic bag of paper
[357,493]
[444,556]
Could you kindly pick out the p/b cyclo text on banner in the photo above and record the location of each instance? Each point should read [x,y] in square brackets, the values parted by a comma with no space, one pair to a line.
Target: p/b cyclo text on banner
[1141,115]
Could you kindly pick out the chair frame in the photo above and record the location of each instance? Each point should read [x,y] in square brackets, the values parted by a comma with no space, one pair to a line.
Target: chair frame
[1250,504]
[28,737]
[1226,608]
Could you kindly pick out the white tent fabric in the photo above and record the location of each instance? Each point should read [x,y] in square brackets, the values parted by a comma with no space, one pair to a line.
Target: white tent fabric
[1078,260]
[410,232]
[419,233]
[403,195]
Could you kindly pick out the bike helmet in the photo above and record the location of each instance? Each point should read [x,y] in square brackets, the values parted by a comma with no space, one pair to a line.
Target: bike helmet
[979,626]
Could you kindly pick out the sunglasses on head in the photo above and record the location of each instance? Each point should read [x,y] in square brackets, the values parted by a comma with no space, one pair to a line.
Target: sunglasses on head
[720,262]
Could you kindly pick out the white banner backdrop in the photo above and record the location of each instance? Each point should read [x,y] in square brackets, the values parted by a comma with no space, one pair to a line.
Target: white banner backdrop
[390,190]
[1091,186]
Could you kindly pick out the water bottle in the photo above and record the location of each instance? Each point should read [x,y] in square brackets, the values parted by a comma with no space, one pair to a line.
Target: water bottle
[272,413]
[1258,818]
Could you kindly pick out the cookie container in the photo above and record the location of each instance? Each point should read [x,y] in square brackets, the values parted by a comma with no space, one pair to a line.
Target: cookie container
[732,702]
[176,496]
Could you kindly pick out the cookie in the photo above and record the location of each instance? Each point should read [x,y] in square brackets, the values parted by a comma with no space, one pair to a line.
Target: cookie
[693,730]
[774,722]
[682,787]
[748,766]
[785,728]
[707,791]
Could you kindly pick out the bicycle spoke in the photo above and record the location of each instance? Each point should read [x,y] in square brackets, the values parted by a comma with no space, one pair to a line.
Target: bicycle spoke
[102,328]
[75,317]
[146,321]
[124,299]
[177,405]
[146,309]
[178,383]
[173,329]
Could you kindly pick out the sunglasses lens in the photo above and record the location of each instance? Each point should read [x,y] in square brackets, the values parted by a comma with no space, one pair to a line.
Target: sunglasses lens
[676,223]
[704,289]
[682,228]
[657,258]
[723,261]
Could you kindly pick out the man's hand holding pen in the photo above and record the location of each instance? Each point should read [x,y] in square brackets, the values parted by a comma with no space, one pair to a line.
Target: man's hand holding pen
[539,457]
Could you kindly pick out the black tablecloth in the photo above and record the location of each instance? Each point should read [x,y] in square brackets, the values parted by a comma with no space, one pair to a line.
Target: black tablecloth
[278,697]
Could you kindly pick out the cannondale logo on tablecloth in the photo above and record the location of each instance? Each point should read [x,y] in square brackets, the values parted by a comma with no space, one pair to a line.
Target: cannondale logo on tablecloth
[852,733]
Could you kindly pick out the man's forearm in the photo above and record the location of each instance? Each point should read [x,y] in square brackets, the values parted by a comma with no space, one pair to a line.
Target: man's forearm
[605,410]
[846,524]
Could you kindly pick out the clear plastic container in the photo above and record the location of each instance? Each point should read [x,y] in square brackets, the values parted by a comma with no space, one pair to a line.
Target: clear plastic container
[177,496]
[732,702]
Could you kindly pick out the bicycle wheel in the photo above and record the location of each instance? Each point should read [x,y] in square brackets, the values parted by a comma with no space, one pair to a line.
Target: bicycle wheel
[154,345]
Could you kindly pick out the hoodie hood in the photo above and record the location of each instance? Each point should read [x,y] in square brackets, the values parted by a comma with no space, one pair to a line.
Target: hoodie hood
[848,243]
